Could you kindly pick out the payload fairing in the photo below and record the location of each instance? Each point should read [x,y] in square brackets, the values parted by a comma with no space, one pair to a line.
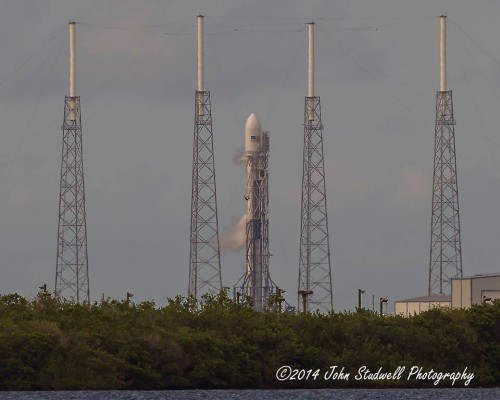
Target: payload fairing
[256,284]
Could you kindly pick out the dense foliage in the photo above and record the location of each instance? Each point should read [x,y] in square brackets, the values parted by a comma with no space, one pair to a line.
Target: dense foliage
[50,344]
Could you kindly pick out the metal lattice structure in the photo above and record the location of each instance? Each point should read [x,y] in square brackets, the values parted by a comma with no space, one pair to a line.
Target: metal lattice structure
[204,252]
[446,248]
[315,273]
[256,284]
[72,271]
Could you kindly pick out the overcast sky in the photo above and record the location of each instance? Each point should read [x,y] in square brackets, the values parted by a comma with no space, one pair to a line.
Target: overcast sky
[377,70]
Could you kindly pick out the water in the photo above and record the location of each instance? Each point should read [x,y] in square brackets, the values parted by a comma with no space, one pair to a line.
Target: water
[319,394]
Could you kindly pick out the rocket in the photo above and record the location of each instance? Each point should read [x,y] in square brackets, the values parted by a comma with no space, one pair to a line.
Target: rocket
[258,285]
[253,145]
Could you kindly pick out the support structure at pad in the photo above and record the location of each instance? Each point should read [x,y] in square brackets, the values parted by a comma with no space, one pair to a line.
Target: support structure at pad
[72,269]
[315,273]
[204,250]
[446,249]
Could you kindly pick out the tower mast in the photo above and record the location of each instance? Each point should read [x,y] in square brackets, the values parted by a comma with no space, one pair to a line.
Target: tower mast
[72,270]
[446,249]
[315,273]
[204,251]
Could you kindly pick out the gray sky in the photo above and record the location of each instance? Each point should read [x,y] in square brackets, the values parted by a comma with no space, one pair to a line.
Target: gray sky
[377,71]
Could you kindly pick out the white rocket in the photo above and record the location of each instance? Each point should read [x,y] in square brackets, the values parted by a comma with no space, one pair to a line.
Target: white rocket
[253,146]
[257,284]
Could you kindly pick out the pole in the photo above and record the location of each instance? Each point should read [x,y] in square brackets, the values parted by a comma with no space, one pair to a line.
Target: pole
[201,70]
[72,70]
[310,91]
[310,86]
[382,301]
[360,292]
[442,82]
[305,294]
[200,54]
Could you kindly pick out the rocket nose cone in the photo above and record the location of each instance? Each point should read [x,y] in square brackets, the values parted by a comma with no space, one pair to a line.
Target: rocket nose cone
[253,133]
[253,124]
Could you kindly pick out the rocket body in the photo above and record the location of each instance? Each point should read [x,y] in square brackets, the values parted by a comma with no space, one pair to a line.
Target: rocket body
[257,222]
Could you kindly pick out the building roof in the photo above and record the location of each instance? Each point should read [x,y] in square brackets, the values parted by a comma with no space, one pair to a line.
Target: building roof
[480,276]
[424,299]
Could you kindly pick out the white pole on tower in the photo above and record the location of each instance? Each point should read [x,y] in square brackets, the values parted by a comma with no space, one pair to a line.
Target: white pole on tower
[200,53]
[201,72]
[310,88]
[72,68]
[442,81]
[310,91]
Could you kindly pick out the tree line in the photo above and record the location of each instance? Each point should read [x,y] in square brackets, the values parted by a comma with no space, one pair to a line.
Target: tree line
[52,344]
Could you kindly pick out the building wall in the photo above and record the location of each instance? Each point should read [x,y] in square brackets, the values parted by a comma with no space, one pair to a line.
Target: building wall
[488,286]
[461,296]
[407,309]
[468,291]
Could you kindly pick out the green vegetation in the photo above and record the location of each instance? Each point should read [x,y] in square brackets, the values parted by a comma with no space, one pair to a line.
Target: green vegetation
[50,344]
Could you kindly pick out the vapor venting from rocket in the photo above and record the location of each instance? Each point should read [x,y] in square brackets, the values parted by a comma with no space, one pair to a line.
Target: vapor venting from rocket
[235,239]
[239,157]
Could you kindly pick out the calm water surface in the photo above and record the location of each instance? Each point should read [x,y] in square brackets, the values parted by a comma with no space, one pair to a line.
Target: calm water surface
[335,394]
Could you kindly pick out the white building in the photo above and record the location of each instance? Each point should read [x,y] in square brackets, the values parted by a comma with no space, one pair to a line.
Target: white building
[476,289]
[417,305]
[465,292]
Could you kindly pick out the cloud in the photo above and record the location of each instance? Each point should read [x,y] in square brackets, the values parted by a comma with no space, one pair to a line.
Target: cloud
[413,185]
[21,196]
[124,36]
[239,158]
[342,175]
[235,239]
[335,171]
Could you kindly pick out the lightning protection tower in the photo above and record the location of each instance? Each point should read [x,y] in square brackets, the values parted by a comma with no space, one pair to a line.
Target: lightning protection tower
[204,251]
[446,249]
[72,269]
[315,273]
